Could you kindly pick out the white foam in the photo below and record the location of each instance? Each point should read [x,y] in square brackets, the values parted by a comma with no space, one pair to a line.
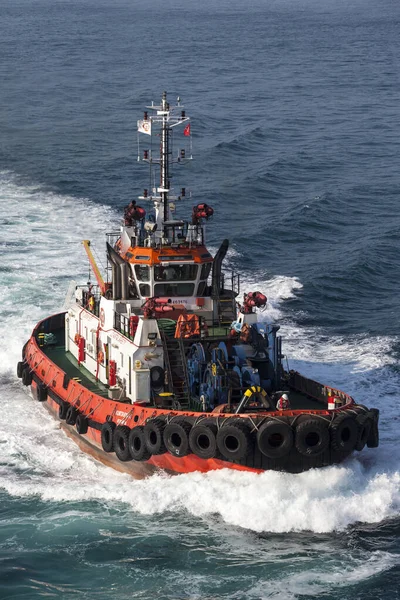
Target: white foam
[41,251]
[37,459]
[305,578]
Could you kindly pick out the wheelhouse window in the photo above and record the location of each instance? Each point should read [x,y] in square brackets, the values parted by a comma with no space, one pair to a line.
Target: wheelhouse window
[175,273]
[142,272]
[201,288]
[174,289]
[205,270]
[144,289]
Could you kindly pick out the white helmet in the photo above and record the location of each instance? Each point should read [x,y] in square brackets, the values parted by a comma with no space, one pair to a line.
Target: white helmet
[285,396]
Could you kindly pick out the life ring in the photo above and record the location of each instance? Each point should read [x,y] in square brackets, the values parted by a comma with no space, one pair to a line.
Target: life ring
[121,443]
[107,436]
[275,439]
[344,433]
[91,303]
[102,317]
[312,437]
[234,440]
[100,357]
[137,444]
[153,435]
[176,437]
[203,439]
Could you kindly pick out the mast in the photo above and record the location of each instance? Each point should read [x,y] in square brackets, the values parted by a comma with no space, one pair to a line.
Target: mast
[159,124]
[164,170]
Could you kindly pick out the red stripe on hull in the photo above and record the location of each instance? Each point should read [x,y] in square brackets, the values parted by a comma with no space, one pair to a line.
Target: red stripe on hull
[101,409]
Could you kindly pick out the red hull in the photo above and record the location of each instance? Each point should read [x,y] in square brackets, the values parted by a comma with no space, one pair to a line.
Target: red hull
[45,376]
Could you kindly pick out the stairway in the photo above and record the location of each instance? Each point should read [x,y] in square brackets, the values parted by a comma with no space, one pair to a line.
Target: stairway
[226,310]
[175,362]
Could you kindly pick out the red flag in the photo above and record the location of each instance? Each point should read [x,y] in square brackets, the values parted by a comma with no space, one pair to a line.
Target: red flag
[186,131]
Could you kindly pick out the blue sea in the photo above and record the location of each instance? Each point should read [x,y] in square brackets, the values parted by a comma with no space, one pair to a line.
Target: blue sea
[295,108]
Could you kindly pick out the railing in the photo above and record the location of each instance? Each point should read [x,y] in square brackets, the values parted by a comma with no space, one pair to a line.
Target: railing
[123,325]
[91,299]
[314,389]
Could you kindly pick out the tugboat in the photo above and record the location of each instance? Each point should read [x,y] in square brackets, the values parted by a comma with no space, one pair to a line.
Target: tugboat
[162,365]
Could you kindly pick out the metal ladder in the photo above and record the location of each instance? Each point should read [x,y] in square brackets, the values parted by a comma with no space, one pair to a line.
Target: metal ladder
[178,377]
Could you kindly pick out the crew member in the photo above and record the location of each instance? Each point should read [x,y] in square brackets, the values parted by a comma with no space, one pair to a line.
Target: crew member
[169,273]
[129,212]
[283,403]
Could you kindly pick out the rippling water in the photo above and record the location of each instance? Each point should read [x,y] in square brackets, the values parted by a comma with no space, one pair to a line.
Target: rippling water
[296,129]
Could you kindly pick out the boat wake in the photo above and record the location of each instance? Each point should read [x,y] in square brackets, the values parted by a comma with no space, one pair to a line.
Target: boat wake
[42,239]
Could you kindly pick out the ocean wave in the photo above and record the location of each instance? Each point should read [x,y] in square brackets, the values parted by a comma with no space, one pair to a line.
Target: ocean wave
[38,460]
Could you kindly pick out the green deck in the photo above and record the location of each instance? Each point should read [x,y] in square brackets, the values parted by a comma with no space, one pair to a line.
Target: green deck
[69,365]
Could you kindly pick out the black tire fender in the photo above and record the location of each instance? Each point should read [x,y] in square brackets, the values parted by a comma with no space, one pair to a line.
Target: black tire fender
[176,437]
[121,443]
[275,438]
[70,417]
[373,438]
[41,392]
[234,439]
[26,376]
[107,436]
[344,433]
[81,424]
[62,410]
[364,423]
[20,367]
[312,437]
[137,444]
[203,439]
[153,435]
